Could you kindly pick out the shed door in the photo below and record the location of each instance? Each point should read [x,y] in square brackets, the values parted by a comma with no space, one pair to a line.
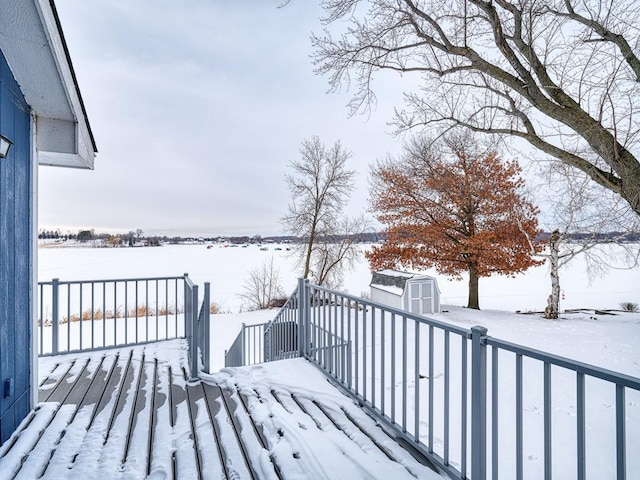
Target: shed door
[421,297]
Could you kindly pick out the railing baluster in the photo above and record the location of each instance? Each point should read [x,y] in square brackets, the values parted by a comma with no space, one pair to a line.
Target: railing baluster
[621,443]
[446,397]
[176,308]
[126,313]
[115,313]
[494,413]
[166,308]
[580,426]
[137,309]
[343,348]
[42,320]
[404,373]
[68,317]
[431,397]
[92,314]
[357,349]
[382,362]
[373,356]
[104,314]
[463,414]
[393,367]
[349,360]
[416,382]
[364,352]
[81,346]
[547,420]
[519,426]
[55,320]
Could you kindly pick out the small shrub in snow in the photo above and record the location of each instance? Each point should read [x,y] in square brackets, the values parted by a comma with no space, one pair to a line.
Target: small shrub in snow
[262,287]
[629,306]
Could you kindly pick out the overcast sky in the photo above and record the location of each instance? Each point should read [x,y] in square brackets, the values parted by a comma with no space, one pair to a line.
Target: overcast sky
[197,107]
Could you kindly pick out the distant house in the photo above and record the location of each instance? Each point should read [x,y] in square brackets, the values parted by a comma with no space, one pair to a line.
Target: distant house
[412,292]
[42,122]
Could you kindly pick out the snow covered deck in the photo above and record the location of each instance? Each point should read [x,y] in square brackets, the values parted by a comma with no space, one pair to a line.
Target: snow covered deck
[131,413]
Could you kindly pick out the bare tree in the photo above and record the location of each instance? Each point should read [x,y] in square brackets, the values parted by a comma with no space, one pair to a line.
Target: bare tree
[337,253]
[564,75]
[262,287]
[320,186]
[586,220]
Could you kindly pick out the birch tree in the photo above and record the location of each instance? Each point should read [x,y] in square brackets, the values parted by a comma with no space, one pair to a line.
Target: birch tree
[562,75]
[586,221]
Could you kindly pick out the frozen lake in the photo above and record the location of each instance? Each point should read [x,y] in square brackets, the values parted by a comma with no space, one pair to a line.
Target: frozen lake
[227,268]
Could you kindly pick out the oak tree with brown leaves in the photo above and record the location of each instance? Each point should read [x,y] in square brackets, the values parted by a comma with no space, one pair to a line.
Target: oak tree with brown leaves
[455,208]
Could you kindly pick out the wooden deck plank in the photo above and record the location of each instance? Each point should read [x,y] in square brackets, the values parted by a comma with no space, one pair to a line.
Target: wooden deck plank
[131,413]
[235,457]
[65,449]
[135,457]
[161,454]
[102,414]
[205,440]
[68,394]
[50,384]
[213,407]
[250,446]
[185,458]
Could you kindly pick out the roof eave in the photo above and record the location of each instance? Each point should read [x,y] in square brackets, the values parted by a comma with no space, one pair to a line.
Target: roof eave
[43,69]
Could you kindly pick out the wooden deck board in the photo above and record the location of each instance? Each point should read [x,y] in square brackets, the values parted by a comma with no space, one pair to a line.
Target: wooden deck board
[131,413]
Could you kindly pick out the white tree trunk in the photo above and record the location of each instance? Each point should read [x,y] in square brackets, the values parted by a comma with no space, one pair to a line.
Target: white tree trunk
[553,301]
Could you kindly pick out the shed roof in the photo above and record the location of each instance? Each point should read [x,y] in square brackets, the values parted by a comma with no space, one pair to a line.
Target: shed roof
[34,46]
[394,281]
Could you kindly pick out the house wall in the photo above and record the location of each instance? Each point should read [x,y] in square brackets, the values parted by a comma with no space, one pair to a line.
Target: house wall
[16,177]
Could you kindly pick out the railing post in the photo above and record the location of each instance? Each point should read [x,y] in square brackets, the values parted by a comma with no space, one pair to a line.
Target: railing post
[193,350]
[55,283]
[206,325]
[306,317]
[478,403]
[242,352]
[185,301]
[302,314]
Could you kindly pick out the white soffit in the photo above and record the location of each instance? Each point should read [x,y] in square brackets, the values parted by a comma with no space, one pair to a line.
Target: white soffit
[33,44]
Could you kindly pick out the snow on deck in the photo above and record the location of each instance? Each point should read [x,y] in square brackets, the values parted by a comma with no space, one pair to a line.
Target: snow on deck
[132,413]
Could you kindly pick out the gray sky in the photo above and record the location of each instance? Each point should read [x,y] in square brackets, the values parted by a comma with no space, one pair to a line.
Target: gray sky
[197,107]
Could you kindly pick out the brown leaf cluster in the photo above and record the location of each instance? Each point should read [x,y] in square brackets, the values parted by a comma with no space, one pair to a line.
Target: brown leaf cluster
[457,212]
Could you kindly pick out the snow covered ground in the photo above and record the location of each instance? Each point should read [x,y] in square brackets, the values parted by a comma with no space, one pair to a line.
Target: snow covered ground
[608,341]
[227,269]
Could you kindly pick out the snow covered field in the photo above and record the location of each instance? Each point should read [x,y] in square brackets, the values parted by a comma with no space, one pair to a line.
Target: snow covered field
[608,341]
[227,269]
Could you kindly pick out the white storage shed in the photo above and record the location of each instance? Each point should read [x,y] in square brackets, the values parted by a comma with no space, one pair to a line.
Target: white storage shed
[412,292]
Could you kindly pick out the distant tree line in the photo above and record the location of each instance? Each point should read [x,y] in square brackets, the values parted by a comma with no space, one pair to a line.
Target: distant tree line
[367,237]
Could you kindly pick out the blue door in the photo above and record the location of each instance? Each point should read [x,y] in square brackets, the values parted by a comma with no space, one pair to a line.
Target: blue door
[15,256]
